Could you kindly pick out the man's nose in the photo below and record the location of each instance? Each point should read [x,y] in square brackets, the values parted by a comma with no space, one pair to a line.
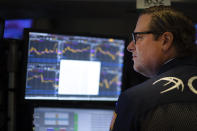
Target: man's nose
[131,46]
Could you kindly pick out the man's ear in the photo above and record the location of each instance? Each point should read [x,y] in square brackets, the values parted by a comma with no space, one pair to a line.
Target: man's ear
[167,40]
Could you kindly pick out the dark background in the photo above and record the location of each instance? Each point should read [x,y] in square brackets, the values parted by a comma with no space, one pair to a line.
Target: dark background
[106,17]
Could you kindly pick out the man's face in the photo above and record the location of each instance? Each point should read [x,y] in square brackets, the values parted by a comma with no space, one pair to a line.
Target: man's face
[147,52]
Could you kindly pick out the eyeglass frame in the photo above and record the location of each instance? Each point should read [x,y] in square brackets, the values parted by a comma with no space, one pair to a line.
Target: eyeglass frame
[146,32]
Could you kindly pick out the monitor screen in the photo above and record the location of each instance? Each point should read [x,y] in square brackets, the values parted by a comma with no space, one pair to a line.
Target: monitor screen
[73,67]
[71,119]
[14,28]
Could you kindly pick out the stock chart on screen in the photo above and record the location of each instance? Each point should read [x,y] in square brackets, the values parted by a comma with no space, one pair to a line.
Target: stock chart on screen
[73,67]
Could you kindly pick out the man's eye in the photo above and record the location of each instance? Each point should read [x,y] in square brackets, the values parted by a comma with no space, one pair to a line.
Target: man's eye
[138,37]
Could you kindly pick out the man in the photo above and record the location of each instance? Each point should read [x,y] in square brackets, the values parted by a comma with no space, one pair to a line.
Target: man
[163,49]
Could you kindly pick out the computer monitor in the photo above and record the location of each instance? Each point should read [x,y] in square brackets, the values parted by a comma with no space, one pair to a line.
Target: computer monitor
[71,119]
[73,67]
[14,28]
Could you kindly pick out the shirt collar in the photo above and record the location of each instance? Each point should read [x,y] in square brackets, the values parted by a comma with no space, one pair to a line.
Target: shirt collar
[175,62]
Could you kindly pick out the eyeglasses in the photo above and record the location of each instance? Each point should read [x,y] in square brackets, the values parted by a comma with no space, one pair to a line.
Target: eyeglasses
[134,34]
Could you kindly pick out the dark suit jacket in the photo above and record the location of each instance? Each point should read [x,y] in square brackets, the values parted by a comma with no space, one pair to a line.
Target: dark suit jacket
[163,103]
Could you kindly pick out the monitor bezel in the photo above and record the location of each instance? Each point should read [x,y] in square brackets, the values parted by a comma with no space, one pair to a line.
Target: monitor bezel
[25,56]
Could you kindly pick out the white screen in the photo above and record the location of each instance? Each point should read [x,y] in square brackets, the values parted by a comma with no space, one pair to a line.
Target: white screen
[79,77]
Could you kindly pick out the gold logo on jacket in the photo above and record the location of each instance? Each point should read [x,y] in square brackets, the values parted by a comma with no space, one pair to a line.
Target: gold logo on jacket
[177,84]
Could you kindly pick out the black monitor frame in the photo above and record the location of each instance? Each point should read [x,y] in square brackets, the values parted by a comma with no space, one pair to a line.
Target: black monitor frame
[26,31]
